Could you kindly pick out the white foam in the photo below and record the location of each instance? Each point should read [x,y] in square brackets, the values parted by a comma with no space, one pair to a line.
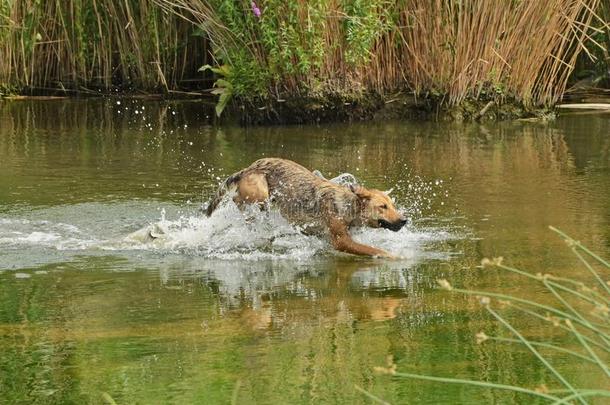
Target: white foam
[19,232]
[229,234]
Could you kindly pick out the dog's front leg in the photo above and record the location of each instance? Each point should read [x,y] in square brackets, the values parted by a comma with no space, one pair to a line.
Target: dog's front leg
[343,242]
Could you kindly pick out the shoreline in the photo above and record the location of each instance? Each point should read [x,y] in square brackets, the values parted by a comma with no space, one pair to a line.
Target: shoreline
[339,108]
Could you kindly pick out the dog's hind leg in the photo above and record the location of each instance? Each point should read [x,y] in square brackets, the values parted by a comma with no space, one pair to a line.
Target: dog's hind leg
[252,189]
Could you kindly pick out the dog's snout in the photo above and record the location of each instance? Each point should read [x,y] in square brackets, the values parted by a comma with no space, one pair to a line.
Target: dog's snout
[400,223]
[394,226]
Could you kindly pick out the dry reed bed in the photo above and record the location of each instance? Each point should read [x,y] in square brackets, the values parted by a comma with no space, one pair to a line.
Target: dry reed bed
[95,44]
[453,50]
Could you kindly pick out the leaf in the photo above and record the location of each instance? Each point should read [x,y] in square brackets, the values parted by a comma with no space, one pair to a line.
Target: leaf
[204,68]
[223,83]
[224,70]
[223,101]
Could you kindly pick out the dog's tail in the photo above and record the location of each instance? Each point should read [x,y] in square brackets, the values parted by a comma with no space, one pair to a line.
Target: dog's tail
[222,190]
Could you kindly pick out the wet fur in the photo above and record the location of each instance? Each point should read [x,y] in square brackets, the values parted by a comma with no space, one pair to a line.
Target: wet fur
[313,202]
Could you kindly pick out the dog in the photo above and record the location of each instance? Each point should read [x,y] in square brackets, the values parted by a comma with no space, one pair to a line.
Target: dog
[312,202]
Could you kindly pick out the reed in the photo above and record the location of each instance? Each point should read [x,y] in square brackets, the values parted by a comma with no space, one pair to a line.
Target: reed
[452,50]
[90,45]
[448,50]
[582,313]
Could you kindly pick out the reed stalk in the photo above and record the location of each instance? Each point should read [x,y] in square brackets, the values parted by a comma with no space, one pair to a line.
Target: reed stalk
[581,311]
[84,45]
[452,50]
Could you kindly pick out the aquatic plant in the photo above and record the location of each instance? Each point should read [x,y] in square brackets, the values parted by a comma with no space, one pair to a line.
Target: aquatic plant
[582,313]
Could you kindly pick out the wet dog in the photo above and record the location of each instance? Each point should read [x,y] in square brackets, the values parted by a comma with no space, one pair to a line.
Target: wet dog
[312,202]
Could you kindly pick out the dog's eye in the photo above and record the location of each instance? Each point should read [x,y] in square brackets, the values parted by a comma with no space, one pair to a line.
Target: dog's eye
[384,207]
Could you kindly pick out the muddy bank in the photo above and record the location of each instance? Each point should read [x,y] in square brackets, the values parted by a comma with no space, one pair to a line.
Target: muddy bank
[334,108]
[375,107]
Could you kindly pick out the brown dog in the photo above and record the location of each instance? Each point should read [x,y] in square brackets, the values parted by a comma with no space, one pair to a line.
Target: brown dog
[313,202]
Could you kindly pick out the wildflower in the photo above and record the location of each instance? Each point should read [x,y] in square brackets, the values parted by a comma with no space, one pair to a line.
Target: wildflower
[496,261]
[484,301]
[553,319]
[481,337]
[572,243]
[444,284]
[255,10]
[390,369]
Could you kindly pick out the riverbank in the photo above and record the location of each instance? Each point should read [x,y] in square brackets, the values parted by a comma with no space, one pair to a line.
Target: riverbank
[270,62]
[375,107]
[311,110]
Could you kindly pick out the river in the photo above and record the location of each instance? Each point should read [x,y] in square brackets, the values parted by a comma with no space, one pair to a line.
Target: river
[242,307]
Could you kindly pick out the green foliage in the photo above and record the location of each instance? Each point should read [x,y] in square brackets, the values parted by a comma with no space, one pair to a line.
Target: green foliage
[310,48]
[224,87]
[365,22]
[290,42]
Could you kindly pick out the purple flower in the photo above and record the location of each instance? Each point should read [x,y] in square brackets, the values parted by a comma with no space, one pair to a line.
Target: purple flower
[256,10]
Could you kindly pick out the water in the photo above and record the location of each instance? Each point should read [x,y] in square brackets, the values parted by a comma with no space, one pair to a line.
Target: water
[244,307]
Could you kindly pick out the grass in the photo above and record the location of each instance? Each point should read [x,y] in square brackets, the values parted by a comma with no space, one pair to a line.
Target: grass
[582,312]
[90,45]
[451,50]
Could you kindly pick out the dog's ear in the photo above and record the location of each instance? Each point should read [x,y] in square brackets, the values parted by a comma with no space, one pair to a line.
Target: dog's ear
[360,191]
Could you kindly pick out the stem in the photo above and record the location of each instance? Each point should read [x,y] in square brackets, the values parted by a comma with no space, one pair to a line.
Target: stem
[583,393]
[478,384]
[537,315]
[546,346]
[371,396]
[588,348]
[583,248]
[534,304]
[534,351]
[592,270]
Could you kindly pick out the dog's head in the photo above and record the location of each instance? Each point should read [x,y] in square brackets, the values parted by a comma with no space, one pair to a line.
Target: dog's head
[378,210]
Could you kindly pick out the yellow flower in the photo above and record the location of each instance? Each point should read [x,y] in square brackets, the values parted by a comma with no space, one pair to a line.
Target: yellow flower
[444,284]
[481,337]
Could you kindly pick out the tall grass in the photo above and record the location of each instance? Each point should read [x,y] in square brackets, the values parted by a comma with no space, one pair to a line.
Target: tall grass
[450,49]
[96,44]
[582,313]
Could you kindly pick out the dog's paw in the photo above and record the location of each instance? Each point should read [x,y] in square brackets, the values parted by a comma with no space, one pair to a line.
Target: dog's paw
[388,255]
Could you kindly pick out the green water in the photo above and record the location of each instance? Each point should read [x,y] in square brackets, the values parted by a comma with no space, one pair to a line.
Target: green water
[254,312]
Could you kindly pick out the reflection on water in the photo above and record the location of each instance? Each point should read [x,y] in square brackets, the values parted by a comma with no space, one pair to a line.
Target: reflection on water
[253,310]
